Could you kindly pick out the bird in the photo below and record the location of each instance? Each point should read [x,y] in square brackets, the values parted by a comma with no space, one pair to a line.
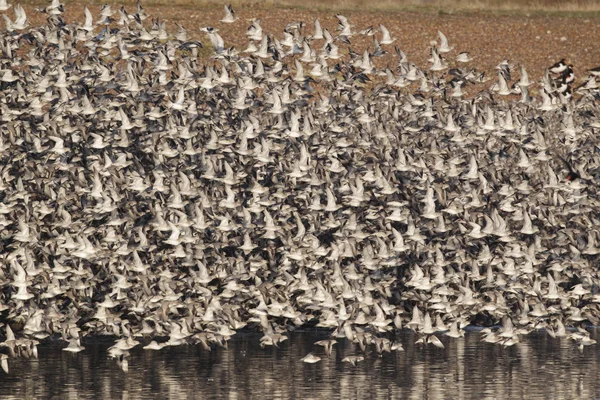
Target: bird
[568,76]
[159,189]
[558,67]
[230,16]
[464,57]
[354,360]
[386,37]
[310,358]
[20,23]
[4,6]
[74,346]
[328,344]
[4,363]
[344,26]
[444,46]
[215,39]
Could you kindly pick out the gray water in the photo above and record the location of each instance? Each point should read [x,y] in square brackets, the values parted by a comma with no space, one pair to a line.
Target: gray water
[538,367]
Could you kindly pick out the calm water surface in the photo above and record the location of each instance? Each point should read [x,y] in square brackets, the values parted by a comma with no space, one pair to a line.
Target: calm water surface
[538,367]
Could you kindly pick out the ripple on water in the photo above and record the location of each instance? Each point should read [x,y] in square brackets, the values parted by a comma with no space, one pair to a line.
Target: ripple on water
[537,367]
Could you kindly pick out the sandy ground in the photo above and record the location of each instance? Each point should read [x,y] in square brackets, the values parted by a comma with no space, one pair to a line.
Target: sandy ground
[536,42]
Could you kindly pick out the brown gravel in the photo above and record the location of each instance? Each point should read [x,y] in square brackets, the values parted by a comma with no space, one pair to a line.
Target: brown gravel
[535,42]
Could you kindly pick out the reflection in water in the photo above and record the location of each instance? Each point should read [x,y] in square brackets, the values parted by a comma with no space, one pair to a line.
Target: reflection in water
[538,367]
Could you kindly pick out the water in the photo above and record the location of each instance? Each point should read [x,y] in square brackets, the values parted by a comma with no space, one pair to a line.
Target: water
[538,367]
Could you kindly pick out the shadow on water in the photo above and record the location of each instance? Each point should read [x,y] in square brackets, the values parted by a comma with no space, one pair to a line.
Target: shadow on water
[538,367]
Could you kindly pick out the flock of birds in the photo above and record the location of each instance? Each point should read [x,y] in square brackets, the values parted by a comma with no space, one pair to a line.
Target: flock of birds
[165,198]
